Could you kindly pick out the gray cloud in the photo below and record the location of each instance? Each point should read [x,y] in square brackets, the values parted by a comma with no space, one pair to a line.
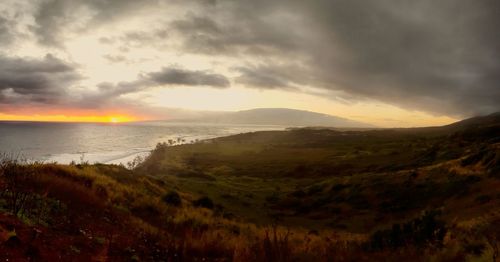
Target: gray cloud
[272,76]
[139,37]
[176,76]
[433,56]
[53,16]
[133,39]
[50,17]
[8,32]
[232,33]
[415,54]
[165,77]
[258,78]
[437,56]
[34,80]
[115,58]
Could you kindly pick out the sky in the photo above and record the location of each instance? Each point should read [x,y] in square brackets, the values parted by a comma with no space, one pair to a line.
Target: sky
[387,62]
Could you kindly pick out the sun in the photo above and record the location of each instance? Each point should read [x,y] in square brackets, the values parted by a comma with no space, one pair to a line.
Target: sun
[114,119]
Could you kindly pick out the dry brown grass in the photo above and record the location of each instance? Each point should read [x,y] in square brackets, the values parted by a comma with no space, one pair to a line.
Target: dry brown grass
[153,229]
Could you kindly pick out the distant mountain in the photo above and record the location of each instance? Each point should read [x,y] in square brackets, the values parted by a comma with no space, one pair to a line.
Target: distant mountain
[278,116]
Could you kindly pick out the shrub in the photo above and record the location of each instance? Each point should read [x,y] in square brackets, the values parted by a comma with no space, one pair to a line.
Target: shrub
[205,202]
[277,246]
[422,231]
[483,199]
[17,184]
[172,198]
[314,189]
[339,187]
[298,193]
[273,198]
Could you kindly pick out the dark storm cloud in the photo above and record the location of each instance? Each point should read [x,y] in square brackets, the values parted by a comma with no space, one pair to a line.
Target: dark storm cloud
[438,56]
[34,80]
[165,77]
[53,16]
[233,34]
[176,76]
[430,55]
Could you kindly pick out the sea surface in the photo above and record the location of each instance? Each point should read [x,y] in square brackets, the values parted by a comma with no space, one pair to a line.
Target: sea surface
[103,143]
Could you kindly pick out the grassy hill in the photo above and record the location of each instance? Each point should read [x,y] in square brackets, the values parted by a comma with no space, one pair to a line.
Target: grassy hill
[305,194]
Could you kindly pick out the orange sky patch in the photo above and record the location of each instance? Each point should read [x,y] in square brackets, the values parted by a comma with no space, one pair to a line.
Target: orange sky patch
[104,118]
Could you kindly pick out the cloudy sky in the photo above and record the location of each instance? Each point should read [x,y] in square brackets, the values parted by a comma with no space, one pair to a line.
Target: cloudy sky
[385,62]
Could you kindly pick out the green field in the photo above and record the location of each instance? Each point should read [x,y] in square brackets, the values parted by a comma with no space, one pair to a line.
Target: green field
[350,180]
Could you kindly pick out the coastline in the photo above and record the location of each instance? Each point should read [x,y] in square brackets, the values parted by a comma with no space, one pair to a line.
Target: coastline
[107,144]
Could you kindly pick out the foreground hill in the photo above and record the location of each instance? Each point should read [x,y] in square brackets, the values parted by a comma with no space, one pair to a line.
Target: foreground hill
[278,116]
[307,194]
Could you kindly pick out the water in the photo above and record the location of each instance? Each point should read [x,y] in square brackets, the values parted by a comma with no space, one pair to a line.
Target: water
[103,143]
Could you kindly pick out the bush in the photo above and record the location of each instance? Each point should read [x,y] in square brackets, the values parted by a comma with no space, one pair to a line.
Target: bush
[172,198]
[298,193]
[315,189]
[422,231]
[17,184]
[205,202]
[273,198]
[483,199]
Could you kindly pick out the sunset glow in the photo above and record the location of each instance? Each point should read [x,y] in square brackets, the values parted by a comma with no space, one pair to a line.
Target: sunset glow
[70,118]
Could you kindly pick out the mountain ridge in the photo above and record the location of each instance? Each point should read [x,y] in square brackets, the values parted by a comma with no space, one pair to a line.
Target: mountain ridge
[276,116]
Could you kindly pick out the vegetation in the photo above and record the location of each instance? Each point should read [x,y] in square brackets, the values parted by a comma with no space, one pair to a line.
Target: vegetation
[296,195]
[172,198]
[205,202]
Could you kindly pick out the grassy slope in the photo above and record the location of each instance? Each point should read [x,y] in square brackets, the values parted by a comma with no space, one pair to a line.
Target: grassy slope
[340,186]
[354,180]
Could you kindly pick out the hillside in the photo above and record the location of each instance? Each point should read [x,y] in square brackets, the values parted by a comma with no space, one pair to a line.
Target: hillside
[297,195]
[277,116]
[480,121]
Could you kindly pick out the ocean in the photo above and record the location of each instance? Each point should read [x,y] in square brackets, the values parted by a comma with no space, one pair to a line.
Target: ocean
[104,143]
